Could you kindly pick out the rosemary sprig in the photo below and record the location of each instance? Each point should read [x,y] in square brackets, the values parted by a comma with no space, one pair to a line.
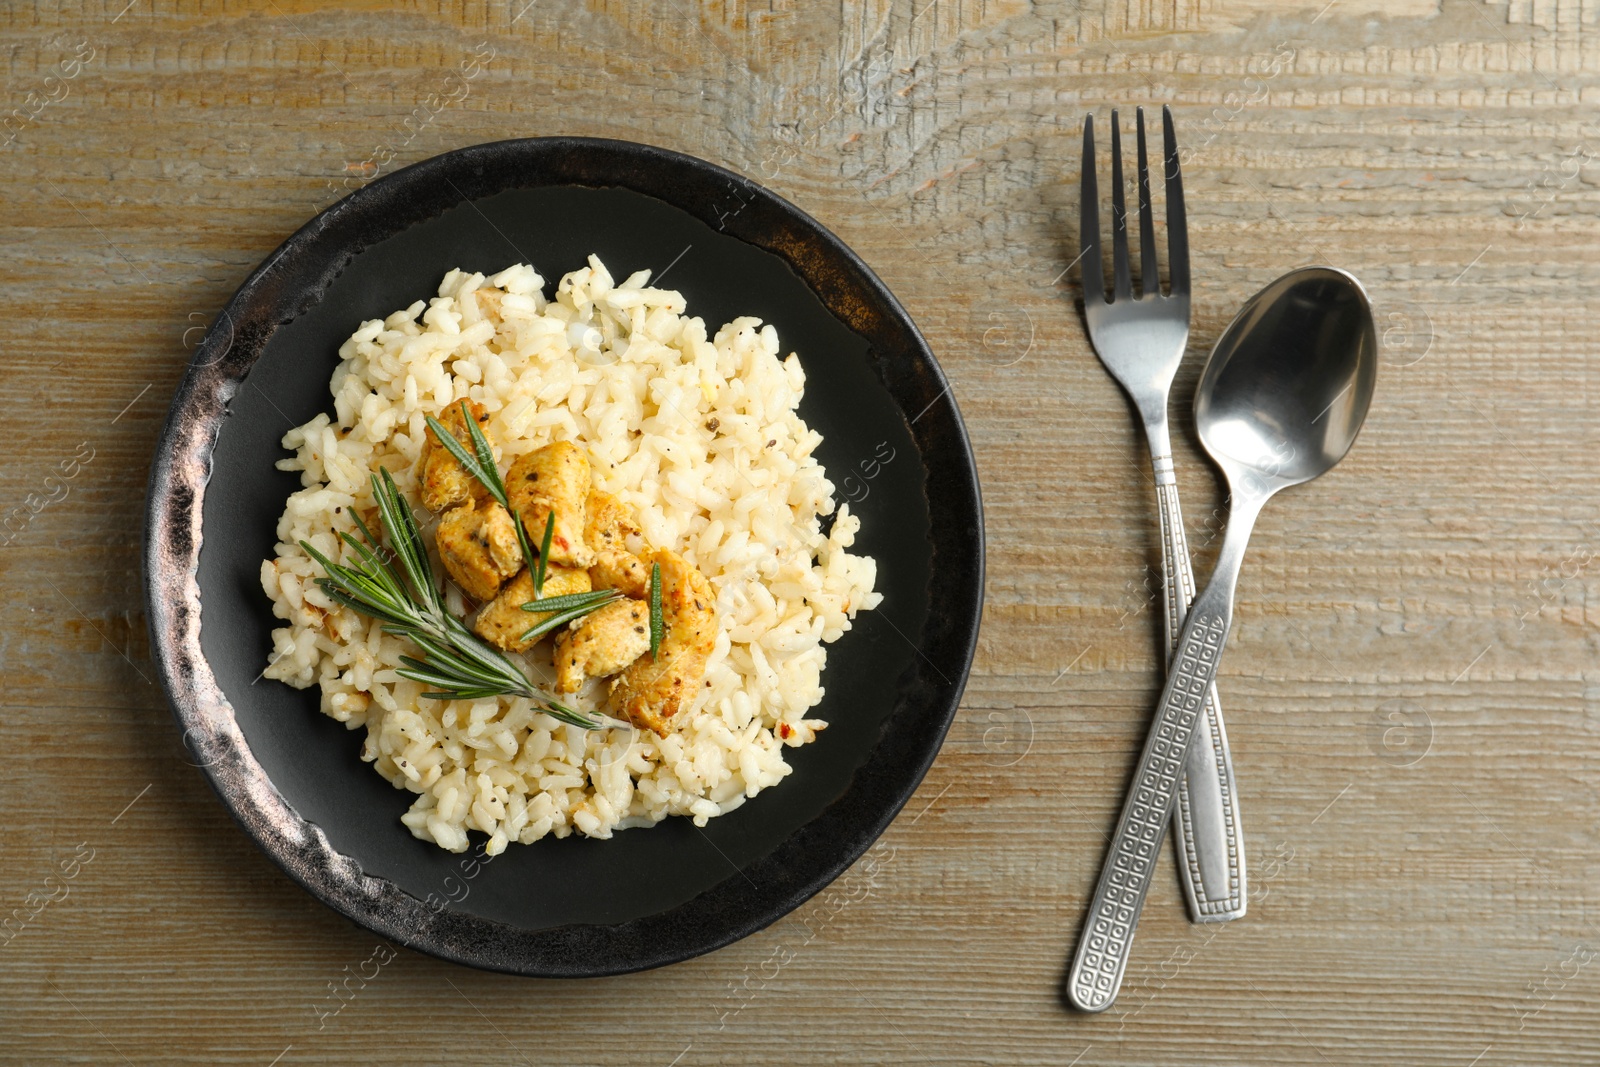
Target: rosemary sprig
[658,624]
[409,603]
[480,464]
[565,609]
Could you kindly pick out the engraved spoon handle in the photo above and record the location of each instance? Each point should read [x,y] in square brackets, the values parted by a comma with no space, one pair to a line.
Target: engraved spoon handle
[1107,937]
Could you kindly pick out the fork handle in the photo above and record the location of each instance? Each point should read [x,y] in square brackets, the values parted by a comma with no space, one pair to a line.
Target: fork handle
[1206,816]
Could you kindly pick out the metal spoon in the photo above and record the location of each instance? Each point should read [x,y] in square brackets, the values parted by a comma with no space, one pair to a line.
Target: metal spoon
[1280,402]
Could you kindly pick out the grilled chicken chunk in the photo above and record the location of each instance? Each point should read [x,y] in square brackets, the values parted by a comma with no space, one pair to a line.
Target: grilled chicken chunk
[445,483]
[605,531]
[502,622]
[655,690]
[602,643]
[623,571]
[554,478]
[478,545]
[607,522]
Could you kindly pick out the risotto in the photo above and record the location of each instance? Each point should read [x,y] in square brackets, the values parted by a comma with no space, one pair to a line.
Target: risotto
[698,436]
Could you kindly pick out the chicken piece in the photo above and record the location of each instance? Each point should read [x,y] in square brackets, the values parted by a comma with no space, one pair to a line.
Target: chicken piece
[607,522]
[601,643]
[502,622]
[445,483]
[656,689]
[605,532]
[478,546]
[622,571]
[554,478]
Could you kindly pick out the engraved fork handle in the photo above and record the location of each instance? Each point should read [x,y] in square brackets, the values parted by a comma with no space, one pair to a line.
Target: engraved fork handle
[1206,821]
[1107,937]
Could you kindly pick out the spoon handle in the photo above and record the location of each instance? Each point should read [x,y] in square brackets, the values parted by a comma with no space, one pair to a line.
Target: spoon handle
[1107,936]
[1206,821]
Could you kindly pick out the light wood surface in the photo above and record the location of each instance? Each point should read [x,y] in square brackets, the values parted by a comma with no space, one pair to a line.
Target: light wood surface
[1412,689]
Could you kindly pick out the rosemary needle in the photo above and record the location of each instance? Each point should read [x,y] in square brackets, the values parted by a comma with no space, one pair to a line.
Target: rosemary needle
[658,624]
[544,553]
[572,600]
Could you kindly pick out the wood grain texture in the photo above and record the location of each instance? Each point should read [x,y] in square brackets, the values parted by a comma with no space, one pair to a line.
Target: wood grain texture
[1412,687]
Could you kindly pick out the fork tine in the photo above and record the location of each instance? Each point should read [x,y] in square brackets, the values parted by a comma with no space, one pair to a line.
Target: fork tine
[1094,274]
[1177,224]
[1150,273]
[1122,285]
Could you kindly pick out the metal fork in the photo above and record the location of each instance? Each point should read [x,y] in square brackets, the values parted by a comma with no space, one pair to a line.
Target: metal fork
[1141,342]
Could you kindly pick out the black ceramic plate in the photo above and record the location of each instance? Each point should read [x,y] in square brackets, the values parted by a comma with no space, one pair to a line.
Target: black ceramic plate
[293,778]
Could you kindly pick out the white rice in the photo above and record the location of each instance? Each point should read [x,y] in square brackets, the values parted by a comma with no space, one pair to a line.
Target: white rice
[699,437]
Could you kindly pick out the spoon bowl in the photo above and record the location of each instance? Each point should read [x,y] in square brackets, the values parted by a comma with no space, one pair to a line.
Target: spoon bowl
[1290,380]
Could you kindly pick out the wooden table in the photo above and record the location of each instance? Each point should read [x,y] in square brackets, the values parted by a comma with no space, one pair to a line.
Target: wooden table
[1412,688]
